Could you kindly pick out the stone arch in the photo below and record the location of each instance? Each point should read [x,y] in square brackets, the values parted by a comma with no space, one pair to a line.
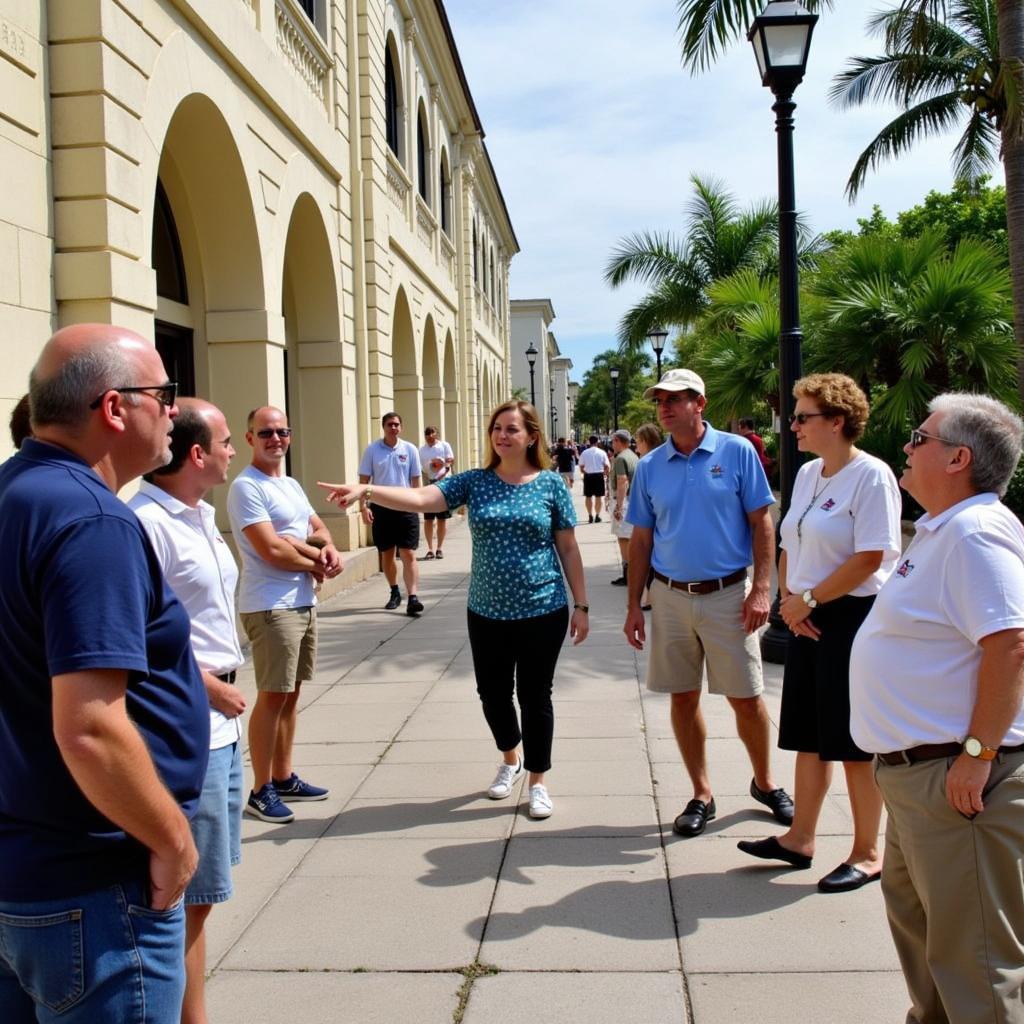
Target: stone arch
[405,369]
[453,422]
[433,390]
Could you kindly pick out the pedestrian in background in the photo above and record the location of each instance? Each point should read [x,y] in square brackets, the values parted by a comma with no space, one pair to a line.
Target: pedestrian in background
[623,466]
[436,458]
[522,523]
[594,465]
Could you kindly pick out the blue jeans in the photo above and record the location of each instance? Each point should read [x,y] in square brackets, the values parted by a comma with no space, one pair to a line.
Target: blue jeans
[100,956]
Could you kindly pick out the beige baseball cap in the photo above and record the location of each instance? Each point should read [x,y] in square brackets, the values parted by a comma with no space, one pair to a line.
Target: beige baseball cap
[677,380]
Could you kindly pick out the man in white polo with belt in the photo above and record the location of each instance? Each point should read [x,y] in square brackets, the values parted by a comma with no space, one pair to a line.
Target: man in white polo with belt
[936,688]
[699,505]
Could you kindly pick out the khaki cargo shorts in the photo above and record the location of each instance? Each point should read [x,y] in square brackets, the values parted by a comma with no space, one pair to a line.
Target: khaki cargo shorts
[689,631]
[283,647]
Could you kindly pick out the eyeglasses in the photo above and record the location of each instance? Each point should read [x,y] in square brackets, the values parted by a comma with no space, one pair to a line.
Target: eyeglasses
[165,393]
[918,438]
[803,417]
[269,432]
[672,399]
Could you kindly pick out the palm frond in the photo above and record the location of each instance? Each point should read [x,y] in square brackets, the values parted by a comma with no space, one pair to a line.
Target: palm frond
[645,257]
[977,150]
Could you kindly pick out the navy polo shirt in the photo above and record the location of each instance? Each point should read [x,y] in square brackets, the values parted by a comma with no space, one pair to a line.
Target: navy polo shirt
[697,505]
[81,588]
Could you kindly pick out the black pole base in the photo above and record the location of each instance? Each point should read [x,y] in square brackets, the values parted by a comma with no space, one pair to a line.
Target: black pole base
[775,639]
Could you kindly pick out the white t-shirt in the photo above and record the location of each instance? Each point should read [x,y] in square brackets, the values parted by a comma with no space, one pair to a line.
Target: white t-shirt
[857,509]
[428,452]
[914,663]
[253,498]
[202,573]
[391,467]
[594,460]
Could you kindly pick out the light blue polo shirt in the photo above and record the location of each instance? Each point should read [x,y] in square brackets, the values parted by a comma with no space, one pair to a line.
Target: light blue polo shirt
[697,505]
[391,467]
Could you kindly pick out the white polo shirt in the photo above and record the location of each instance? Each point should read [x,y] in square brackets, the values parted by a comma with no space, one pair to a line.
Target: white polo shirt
[202,573]
[594,460]
[428,452]
[914,664]
[391,467]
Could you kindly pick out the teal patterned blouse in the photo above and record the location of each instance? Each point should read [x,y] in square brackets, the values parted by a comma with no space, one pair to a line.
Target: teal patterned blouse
[515,573]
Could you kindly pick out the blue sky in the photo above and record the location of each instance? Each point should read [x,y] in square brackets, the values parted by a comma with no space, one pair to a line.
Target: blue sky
[594,129]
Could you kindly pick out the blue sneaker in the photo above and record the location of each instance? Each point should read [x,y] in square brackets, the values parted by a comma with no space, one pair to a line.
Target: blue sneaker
[294,790]
[266,805]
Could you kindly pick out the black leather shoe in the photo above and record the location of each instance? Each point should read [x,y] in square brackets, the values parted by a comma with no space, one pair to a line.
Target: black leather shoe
[694,818]
[772,849]
[394,601]
[620,581]
[415,605]
[846,878]
[776,800]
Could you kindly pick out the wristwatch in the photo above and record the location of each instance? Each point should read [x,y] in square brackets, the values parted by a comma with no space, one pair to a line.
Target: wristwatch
[809,599]
[973,747]
[582,608]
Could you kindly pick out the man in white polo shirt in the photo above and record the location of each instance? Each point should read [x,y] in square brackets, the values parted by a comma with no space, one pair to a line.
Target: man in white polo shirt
[594,466]
[393,462]
[436,459]
[202,573]
[936,688]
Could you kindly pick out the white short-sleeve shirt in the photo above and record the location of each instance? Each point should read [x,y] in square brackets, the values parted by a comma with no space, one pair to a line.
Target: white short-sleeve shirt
[857,509]
[202,573]
[594,460]
[914,663]
[391,466]
[254,498]
[428,453]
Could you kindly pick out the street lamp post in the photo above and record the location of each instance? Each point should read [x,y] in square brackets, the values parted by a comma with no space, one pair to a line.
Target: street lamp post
[551,406]
[531,358]
[781,37]
[614,374]
[657,337]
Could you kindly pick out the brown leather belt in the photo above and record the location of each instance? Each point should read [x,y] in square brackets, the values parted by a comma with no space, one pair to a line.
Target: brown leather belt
[933,751]
[703,586]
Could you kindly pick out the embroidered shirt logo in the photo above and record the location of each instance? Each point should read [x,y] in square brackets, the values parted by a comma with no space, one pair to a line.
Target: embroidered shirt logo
[829,505]
[716,470]
[403,458]
[905,569]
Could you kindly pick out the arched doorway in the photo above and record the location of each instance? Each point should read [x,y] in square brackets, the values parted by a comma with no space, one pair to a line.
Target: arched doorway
[452,419]
[433,392]
[405,370]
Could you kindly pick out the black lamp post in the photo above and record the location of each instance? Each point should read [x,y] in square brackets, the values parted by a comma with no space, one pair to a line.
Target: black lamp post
[531,358]
[781,37]
[657,337]
[614,374]
[551,406]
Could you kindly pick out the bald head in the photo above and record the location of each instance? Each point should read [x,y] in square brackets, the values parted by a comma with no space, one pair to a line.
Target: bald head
[262,413]
[81,362]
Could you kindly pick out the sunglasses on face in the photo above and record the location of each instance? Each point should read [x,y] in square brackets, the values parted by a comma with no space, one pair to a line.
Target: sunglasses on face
[269,432]
[918,438]
[165,394]
[803,417]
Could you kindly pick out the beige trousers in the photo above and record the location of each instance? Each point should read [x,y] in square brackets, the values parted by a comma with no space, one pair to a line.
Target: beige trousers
[954,893]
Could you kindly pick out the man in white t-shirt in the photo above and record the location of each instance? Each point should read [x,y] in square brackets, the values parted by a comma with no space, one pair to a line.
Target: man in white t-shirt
[595,466]
[273,524]
[936,691]
[436,458]
[202,573]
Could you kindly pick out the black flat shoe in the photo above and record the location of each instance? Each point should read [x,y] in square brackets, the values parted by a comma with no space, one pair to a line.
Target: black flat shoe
[393,601]
[846,878]
[694,819]
[778,801]
[772,849]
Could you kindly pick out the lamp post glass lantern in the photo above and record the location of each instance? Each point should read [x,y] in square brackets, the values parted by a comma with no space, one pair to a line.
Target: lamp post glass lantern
[614,374]
[657,337]
[531,358]
[781,38]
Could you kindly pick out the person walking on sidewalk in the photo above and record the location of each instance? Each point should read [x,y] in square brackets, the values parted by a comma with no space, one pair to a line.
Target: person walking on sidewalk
[436,458]
[522,523]
[391,462]
[272,520]
[565,462]
[594,466]
[202,573]
[700,509]
[840,542]
[623,466]
[937,694]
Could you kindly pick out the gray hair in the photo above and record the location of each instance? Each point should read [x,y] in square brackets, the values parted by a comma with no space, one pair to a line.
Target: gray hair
[63,398]
[991,430]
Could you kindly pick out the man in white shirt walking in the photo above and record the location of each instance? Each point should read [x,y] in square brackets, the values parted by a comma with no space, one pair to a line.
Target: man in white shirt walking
[436,458]
[202,573]
[595,466]
[273,523]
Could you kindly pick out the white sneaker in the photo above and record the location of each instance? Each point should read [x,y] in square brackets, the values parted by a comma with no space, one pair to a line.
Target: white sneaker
[508,775]
[540,802]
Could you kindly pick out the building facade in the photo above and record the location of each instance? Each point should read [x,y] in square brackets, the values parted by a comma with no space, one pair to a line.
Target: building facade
[291,197]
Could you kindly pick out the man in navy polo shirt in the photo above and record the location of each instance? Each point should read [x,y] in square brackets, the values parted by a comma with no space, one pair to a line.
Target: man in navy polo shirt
[699,505]
[104,720]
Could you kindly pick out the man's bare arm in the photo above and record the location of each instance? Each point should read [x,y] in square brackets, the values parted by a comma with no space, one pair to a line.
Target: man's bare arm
[281,552]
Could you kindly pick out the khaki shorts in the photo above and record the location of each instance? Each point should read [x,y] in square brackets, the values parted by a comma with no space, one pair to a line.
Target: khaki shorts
[283,647]
[689,630]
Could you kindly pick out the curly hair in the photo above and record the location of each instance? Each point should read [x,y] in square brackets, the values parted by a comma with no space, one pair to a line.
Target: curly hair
[537,454]
[836,395]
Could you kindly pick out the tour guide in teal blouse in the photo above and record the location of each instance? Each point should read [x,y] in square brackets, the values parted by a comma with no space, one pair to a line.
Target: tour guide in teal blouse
[522,523]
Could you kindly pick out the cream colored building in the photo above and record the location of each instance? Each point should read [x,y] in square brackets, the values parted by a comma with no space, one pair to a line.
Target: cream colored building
[292,197]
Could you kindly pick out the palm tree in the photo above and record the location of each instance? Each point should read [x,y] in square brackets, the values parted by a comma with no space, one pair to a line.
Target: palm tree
[720,239]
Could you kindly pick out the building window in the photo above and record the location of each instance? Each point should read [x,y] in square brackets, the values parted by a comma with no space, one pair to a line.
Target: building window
[445,183]
[171,282]
[391,103]
[421,156]
[309,6]
[476,252]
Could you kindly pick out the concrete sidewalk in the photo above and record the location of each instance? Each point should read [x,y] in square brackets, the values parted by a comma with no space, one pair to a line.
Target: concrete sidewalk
[409,896]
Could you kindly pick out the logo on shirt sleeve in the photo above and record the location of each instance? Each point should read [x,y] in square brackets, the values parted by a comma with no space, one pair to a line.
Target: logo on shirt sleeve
[905,569]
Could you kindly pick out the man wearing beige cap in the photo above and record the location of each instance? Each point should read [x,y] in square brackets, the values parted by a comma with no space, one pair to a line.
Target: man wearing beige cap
[699,506]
